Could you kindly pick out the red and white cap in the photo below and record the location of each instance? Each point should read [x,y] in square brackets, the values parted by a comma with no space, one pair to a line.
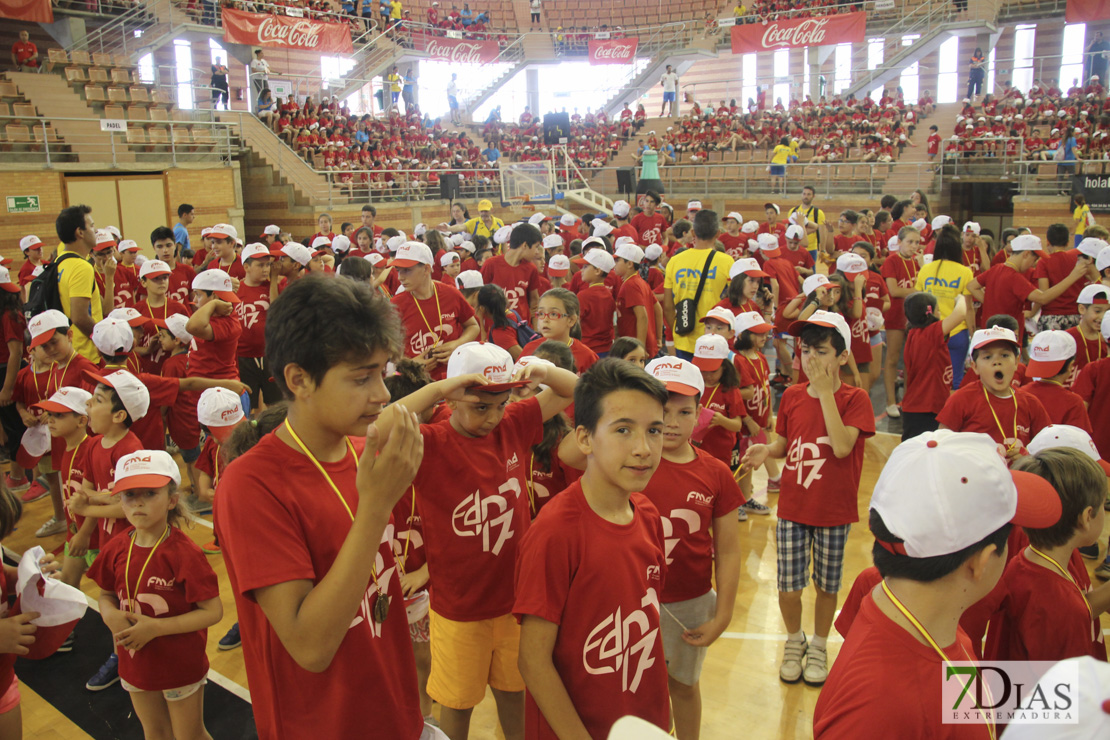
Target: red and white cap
[793,231]
[130,315]
[601,227]
[320,242]
[175,325]
[1026,243]
[145,469]
[128,245]
[206,231]
[449,258]
[940,222]
[630,252]
[217,281]
[1105,327]
[735,216]
[113,337]
[154,268]
[223,231]
[341,244]
[1094,294]
[653,252]
[488,360]
[600,259]
[815,281]
[501,236]
[469,279]
[984,337]
[418,230]
[394,243]
[568,219]
[825,318]
[6,281]
[694,205]
[722,314]
[549,242]
[42,326]
[746,266]
[271,230]
[1103,260]
[621,209]
[104,240]
[710,351]
[678,375]
[768,244]
[219,407]
[893,244]
[411,254]
[1092,247]
[255,251]
[374,258]
[131,391]
[972,227]
[944,491]
[1048,352]
[851,265]
[67,399]
[752,321]
[749,227]
[299,253]
[30,242]
[559,266]
[468,245]
[1089,678]
[1065,435]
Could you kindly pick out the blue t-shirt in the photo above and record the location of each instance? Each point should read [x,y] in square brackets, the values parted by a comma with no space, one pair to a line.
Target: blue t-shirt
[181,235]
[491,154]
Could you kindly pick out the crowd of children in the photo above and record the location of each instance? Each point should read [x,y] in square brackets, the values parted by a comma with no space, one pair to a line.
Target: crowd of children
[498,469]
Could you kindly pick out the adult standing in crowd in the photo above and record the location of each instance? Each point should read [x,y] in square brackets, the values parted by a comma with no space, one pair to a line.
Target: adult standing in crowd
[1095,60]
[77,289]
[977,74]
[684,276]
[946,278]
[485,224]
[811,218]
[260,74]
[25,55]
[669,81]
[219,85]
[185,217]
[453,99]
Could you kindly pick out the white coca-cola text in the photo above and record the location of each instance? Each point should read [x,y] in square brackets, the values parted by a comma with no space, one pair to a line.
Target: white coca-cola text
[463,52]
[810,32]
[302,34]
[615,51]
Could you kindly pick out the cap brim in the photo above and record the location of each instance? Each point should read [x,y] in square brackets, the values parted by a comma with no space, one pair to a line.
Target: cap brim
[10,287]
[97,378]
[756,273]
[405,263]
[55,408]
[1044,368]
[759,328]
[992,340]
[139,321]
[796,327]
[1038,503]
[558,273]
[41,339]
[499,387]
[1105,466]
[708,364]
[147,480]
[156,274]
[853,275]
[220,235]
[104,246]
[681,388]
[227,295]
[776,252]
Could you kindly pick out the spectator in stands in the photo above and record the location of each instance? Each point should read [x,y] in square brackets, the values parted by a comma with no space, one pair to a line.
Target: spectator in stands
[536,6]
[219,85]
[185,217]
[266,107]
[1095,59]
[453,99]
[491,153]
[408,92]
[669,83]
[466,15]
[260,74]
[25,55]
[977,74]
[393,79]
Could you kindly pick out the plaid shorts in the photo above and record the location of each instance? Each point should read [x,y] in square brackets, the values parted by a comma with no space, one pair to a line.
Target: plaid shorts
[1059,322]
[794,542]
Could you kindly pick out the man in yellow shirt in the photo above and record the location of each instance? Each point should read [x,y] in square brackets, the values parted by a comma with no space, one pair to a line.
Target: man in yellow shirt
[394,80]
[684,273]
[812,219]
[80,296]
[484,224]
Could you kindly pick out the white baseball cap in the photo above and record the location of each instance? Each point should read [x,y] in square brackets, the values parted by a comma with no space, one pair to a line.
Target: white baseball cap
[568,219]
[600,259]
[893,244]
[501,236]
[104,240]
[320,242]
[1091,710]
[145,469]
[734,216]
[1105,327]
[42,326]
[468,245]
[536,218]
[1048,352]
[630,252]
[29,242]
[394,242]
[722,314]
[219,407]
[653,252]
[206,231]
[1026,243]
[448,258]
[297,252]
[131,391]
[1103,260]
[851,265]
[944,491]
[752,321]
[458,239]
[1065,435]
[971,226]
[129,314]
[813,282]
[255,251]
[154,268]
[114,231]
[678,375]
[128,245]
[793,231]
[768,243]
[559,266]
[6,281]
[621,209]
[175,325]
[940,222]
[469,279]
[749,227]
[418,230]
[694,205]
[825,318]
[411,254]
[550,241]
[65,400]
[920,224]
[710,351]
[485,359]
[374,258]
[601,227]
[746,266]
[1094,294]
[113,337]
[1092,247]
[341,244]
[984,337]
[220,231]
[218,282]
[271,230]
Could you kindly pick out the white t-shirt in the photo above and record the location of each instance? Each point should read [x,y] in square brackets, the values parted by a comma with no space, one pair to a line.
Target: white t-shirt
[536,4]
[260,68]
[452,89]
[670,81]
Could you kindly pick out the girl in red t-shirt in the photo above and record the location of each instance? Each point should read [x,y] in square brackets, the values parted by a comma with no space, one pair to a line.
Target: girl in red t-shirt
[722,397]
[557,319]
[928,363]
[492,312]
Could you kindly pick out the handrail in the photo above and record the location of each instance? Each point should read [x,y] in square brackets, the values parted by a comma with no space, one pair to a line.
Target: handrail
[139,17]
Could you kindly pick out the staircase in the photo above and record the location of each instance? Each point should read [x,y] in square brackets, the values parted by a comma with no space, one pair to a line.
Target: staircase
[494,85]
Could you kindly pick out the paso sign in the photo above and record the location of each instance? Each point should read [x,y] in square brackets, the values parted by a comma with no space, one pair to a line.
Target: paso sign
[458,51]
[23,203]
[613,51]
[799,32]
[260,29]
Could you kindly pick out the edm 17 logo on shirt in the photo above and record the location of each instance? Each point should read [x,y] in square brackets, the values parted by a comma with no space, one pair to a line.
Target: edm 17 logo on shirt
[620,639]
[489,517]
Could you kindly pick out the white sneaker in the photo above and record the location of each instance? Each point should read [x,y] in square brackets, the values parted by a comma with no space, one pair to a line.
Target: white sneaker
[754,507]
[790,671]
[893,411]
[817,666]
[51,527]
[741,515]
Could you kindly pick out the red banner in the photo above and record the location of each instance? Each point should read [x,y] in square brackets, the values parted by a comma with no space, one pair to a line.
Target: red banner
[613,51]
[795,33]
[461,51]
[1086,11]
[34,11]
[260,29]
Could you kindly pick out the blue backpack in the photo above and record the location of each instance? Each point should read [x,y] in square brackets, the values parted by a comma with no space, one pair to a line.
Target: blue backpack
[524,332]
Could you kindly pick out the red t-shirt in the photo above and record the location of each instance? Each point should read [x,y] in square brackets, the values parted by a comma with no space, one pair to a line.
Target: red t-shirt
[636,292]
[408,543]
[1093,386]
[600,582]
[904,272]
[27,271]
[799,257]
[1005,291]
[689,496]
[175,578]
[12,327]
[1086,352]
[73,372]
[209,461]
[424,328]
[181,283]
[102,471]
[74,464]
[235,269]
[163,393]
[885,683]
[861,338]
[474,517]
[276,529]
[718,441]
[215,358]
[584,357]
[819,488]
[1056,267]
[182,417]
[735,246]
[596,306]
[152,362]
[650,228]
[867,580]
[518,282]
[1062,405]
[547,483]
[24,50]
[251,312]
[967,410]
[928,370]
[782,271]
[755,374]
[576,283]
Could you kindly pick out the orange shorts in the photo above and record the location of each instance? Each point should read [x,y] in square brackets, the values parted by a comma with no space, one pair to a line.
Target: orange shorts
[468,656]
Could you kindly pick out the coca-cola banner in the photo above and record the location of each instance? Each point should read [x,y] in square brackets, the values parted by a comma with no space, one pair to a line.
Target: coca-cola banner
[461,51]
[260,29]
[1087,11]
[613,51]
[33,11]
[798,32]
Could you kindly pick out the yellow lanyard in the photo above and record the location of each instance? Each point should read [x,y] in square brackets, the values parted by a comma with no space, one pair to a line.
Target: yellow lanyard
[1087,350]
[1002,431]
[710,399]
[131,601]
[69,468]
[756,371]
[531,491]
[439,313]
[408,533]
[933,643]
[216,465]
[1067,575]
[906,266]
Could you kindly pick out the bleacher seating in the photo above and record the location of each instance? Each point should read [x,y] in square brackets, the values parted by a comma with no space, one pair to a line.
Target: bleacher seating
[587,15]
[22,128]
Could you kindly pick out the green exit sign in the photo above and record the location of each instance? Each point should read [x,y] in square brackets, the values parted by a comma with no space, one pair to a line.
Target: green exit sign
[23,204]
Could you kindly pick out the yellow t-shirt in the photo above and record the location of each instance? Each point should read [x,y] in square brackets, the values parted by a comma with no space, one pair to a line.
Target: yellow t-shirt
[1080,216]
[395,10]
[683,274]
[781,153]
[947,281]
[77,279]
[394,83]
[814,214]
[476,227]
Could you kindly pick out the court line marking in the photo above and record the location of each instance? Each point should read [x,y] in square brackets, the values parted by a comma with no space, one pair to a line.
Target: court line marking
[193,517]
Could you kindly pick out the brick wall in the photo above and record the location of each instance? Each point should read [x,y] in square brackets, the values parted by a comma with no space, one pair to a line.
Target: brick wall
[211,192]
[1040,213]
[50,189]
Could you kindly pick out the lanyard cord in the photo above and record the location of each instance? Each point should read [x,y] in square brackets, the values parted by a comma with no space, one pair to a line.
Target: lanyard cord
[127,570]
[710,399]
[999,423]
[439,312]
[1087,350]
[1066,575]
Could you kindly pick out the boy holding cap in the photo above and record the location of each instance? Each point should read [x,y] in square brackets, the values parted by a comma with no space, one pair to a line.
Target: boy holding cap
[154,278]
[1051,363]
[823,425]
[1092,302]
[596,301]
[796,254]
[181,275]
[213,326]
[255,294]
[515,270]
[639,314]
[941,513]
[736,244]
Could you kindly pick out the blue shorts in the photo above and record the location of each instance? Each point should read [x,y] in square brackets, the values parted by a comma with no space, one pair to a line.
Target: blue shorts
[452,102]
[778,170]
[668,97]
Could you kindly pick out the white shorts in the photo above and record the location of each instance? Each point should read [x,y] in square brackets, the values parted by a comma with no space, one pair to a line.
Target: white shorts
[181,692]
[684,661]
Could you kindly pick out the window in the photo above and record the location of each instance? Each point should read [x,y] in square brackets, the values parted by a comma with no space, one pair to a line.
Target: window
[843,68]
[749,91]
[948,65]
[805,72]
[434,77]
[332,69]
[219,53]
[146,68]
[875,54]
[909,82]
[990,71]
[1024,38]
[1071,61]
[782,77]
[183,56]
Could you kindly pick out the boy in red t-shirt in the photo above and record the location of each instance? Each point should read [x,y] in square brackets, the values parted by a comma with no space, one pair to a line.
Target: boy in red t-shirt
[155,276]
[1093,386]
[639,314]
[515,270]
[577,602]
[181,275]
[822,426]
[1092,303]
[256,292]
[213,326]
[596,302]
[941,513]
[1051,362]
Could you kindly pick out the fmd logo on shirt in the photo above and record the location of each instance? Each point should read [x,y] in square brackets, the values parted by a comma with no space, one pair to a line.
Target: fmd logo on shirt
[689,273]
[954,283]
[511,463]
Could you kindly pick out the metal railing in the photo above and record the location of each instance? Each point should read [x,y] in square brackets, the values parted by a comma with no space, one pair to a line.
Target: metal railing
[572,42]
[127,33]
[92,8]
[1050,178]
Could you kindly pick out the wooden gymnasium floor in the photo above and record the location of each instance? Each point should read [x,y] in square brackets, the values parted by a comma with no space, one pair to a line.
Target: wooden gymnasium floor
[740,685]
